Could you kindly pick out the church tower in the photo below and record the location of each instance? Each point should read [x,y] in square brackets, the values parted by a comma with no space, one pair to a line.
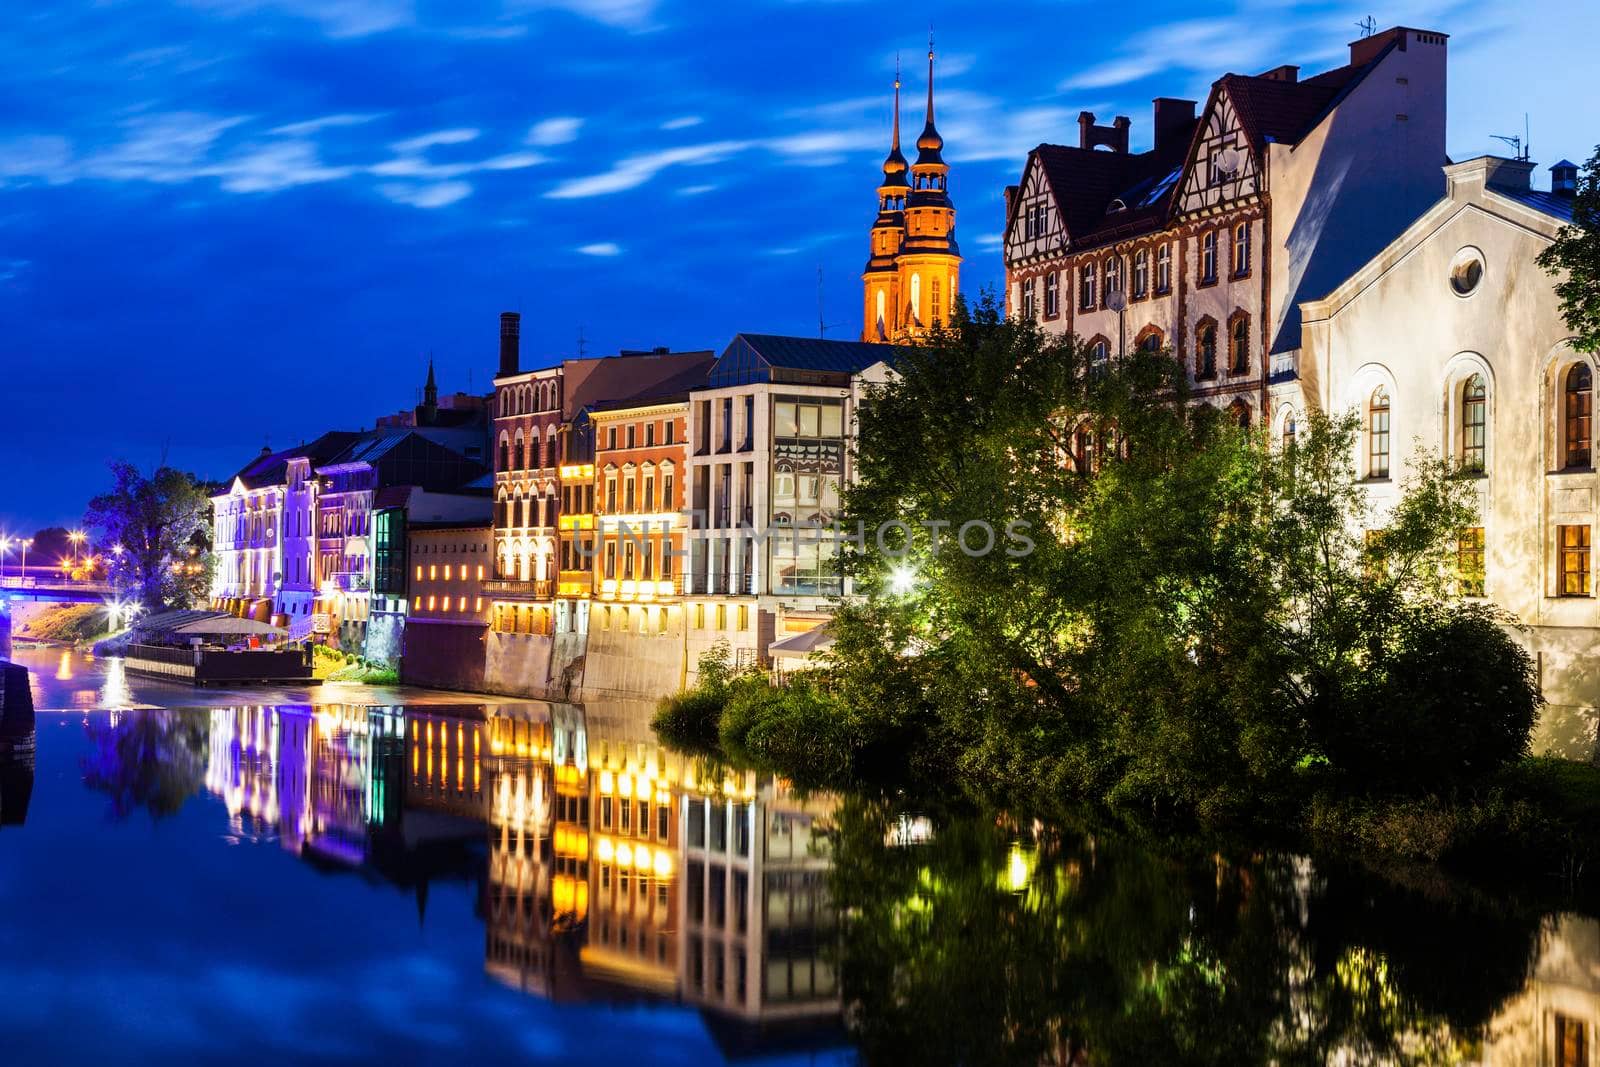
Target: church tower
[914,272]
[881,320]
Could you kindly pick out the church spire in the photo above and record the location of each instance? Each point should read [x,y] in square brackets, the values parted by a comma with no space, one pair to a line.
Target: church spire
[894,167]
[430,391]
[930,144]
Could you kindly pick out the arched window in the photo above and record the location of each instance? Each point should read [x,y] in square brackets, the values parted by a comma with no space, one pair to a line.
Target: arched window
[1378,434]
[1239,346]
[881,321]
[1149,339]
[1027,299]
[916,297]
[1086,287]
[1100,351]
[1163,268]
[1052,295]
[935,308]
[1241,249]
[1239,412]
[1141,273]
[1578,414]
[1205,351]
[505,453]
[1291,430]
[517,447]
[1474,423]
[1208,257]
[1113,275]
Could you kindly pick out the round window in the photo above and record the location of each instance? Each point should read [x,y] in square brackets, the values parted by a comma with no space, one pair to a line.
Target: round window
[1466,271]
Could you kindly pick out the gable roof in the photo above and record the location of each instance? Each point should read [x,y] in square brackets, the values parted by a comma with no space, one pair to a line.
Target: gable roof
[270,468]
[766,357]
[594,382]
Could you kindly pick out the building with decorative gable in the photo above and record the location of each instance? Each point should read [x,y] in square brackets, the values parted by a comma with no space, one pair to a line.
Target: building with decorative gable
[1208,242]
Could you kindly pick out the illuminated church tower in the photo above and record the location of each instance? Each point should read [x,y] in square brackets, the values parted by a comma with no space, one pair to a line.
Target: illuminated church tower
[914,269]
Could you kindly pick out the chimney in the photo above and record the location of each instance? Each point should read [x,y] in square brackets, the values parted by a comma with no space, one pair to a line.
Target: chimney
[510,341]
[1564,179]
[1286,73]
[1172,119]
[1114,136]
[1367,49]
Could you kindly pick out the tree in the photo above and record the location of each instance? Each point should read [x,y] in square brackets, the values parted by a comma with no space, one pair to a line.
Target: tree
[155,760]
[161,520]
[1575,258]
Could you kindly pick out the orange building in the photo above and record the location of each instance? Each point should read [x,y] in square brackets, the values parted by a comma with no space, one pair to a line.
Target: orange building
[914,270]
[639,472]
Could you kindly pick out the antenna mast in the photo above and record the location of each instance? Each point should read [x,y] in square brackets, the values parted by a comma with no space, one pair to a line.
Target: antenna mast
[583,343]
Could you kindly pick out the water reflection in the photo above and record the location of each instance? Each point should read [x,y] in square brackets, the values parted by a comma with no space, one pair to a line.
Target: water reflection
[604,866]
[607,865]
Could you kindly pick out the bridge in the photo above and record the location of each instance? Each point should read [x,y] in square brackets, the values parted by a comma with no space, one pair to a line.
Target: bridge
[40,584]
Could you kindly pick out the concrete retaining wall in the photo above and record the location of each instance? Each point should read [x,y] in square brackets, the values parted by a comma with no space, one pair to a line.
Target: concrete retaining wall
[444,655]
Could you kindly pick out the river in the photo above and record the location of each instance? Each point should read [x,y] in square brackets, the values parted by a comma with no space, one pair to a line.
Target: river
[347,875]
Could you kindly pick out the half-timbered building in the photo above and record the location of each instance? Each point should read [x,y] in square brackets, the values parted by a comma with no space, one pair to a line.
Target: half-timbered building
[1206,242]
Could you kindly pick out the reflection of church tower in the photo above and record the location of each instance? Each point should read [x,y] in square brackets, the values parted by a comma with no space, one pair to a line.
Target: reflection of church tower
[914,271]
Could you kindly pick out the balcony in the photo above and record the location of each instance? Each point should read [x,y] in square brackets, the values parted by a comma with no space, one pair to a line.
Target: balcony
[520,588]
[1285,367]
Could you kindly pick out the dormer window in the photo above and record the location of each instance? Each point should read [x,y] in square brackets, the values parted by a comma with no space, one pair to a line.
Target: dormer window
[1115,206]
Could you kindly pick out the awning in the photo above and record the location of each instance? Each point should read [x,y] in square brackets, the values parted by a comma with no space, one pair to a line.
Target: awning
[803,645]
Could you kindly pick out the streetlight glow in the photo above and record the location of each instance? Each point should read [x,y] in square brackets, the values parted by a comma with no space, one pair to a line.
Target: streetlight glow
[902,580]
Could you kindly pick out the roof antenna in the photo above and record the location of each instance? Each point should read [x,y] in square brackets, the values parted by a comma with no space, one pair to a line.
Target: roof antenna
[1519,144]
[1368,26]
[823,326]
[583,343]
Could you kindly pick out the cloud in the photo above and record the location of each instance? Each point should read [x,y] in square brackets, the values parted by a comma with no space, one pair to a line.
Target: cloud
[990,240]
[601,248]
[634,171]
[338,18]
[624,14]
[163,147]
[436,194]
[696,190]
[682,122]
[326,122]
[437,137]
[554,131]
[274,167]
[1211,46]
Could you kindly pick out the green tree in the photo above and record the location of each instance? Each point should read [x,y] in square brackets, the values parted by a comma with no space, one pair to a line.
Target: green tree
[162,522]
[1574,258]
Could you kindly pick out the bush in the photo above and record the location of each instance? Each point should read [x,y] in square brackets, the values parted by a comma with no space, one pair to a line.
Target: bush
[690,720]
[1451,699]
[796,730]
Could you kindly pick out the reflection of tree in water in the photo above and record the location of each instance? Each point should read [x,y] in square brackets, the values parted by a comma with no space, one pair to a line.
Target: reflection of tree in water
[153,760]
[991,944]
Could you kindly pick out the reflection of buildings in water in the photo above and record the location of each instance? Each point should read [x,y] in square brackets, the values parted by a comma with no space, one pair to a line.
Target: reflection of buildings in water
[758,925]
[16,779]
[646,874]
[1553,1021]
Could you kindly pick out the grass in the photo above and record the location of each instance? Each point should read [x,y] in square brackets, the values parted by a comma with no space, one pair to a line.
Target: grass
[332,665]
[75,624]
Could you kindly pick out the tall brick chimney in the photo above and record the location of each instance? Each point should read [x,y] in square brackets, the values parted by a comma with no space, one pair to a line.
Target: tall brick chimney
[1172,118]
[1114,136]
[510,341]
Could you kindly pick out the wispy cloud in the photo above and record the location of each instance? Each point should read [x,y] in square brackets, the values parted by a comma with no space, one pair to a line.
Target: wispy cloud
[682,122]
[1212,46]
[554,131]
[634,171]
[337,18]
[431,195]
[326,122]
[438,137]
[601,248]
[625,14]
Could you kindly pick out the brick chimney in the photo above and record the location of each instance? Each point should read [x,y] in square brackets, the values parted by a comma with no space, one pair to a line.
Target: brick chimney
[1172,119]
[510,341]
[1367,49]
[1114,136]
[1286,73]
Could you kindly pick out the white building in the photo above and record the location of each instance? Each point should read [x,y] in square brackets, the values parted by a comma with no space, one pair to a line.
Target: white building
[1453,340]
[769,441]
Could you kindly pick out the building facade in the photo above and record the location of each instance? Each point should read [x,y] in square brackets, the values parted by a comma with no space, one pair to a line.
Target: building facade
[449,614]
[1208,242]
[1452,340]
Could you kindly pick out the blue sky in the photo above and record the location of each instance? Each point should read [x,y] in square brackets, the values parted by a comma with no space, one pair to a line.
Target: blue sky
[224,222]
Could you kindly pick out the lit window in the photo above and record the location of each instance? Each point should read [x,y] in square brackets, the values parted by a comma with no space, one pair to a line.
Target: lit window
[1474,423]
[1469,561]
[1572,1042]
[1378,434]
[1573,544]
[1579,414]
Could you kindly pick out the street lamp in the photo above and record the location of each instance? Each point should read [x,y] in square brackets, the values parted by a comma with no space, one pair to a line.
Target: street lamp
[76,537]
[1119,303]
[5,546]
[25,542]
